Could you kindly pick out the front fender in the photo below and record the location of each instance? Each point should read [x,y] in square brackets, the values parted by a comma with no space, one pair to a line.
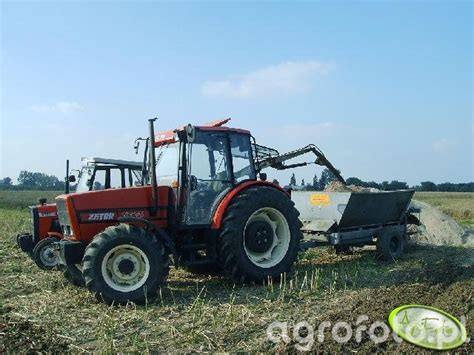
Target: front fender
[151,228]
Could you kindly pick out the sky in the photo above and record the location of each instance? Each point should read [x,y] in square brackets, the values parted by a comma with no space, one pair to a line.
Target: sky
[384,88]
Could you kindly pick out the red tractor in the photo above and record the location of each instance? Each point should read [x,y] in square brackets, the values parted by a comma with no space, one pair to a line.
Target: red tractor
[207,204]
[96,173]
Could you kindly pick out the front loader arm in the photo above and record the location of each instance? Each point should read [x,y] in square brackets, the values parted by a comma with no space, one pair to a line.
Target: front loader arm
[276,160]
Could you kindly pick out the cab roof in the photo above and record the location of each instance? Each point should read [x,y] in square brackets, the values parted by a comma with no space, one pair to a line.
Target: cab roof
[106,161]
[168,137]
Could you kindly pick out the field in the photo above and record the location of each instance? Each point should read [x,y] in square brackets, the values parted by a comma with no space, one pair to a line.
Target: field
[40,311]
[459,205]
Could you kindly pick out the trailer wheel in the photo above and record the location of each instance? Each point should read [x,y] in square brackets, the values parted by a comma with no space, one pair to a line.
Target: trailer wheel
[73,273]
[43,254]
[124,263]
[390,245]
[343,249]
[260,235]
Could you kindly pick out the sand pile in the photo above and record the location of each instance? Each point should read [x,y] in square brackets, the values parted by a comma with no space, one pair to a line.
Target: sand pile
[440,229]
[337,186]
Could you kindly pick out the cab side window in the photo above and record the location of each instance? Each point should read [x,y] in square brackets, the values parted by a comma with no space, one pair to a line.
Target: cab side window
[242,160]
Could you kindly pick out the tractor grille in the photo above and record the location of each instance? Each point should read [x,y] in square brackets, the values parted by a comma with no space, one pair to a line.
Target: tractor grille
[35,223]
[63,217]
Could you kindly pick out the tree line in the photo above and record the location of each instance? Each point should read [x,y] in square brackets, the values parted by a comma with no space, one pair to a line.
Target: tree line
[33,181]
[39,181]
[319,184]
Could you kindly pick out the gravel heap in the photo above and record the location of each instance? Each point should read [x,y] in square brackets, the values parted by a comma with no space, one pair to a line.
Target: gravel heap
[440,229]
[337,186]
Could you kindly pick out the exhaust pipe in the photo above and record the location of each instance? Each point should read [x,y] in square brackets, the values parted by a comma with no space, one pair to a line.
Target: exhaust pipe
[67,186]
[152,165]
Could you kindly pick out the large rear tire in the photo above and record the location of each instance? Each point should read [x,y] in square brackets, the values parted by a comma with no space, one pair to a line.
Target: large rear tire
[44,255]
[260,235]
[125,264]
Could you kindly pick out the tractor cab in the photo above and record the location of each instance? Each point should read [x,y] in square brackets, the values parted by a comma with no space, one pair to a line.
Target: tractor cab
[203,163]
[103,174]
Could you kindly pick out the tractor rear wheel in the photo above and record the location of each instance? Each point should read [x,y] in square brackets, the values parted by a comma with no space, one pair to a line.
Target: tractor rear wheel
[125,263]
[44,255]
[260,235]
[390,245]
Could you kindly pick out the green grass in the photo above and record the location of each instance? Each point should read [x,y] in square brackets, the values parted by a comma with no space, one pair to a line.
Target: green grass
[459,205]
[22,199]
[40,311]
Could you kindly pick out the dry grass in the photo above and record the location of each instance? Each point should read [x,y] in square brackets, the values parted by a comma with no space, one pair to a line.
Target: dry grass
[41,312]
[459,205]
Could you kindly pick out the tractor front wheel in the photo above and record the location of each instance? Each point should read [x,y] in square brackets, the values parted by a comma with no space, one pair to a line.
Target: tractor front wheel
[44,255]
[260,235]
[125,263]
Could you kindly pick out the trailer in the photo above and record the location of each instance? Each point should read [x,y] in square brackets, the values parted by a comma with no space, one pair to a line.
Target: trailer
[346,219]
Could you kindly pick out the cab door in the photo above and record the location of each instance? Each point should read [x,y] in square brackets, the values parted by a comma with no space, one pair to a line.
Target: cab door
[209,169]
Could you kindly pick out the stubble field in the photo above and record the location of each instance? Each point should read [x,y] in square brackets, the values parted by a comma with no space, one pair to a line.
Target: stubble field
[40,311]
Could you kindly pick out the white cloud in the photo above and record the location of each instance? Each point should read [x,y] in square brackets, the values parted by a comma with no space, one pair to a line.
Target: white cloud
[276,80]
[64,107]
[443,145]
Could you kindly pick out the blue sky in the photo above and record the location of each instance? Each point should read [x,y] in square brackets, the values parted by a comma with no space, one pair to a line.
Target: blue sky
[383,88]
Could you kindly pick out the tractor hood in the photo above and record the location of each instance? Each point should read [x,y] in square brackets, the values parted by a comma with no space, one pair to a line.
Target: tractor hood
[82,215]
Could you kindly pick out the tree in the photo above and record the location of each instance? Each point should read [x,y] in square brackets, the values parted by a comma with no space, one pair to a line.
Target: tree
[275,181]
[355,181]
[6,182]
[397,185]
[428,186]
[326,178]
[447,187]
[302,182]
[39,181]
[315,182]
[293,180]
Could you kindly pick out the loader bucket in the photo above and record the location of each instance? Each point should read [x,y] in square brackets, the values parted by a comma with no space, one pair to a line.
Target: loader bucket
[325,211]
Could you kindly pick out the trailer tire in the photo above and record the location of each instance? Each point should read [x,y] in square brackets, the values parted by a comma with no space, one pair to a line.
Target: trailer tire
[260,236]
[390,245]
[125,264]
[73,274]
[43,254]
[343,249]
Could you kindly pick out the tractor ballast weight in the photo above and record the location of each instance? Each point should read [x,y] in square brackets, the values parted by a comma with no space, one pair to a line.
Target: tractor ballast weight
[204,205]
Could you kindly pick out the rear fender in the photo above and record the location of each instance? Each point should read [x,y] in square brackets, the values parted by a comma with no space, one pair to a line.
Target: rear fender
[222,206]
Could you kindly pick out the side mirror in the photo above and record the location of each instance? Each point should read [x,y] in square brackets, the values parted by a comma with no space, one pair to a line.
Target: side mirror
[71,178]
[43,200]
[190,133]
[192,183]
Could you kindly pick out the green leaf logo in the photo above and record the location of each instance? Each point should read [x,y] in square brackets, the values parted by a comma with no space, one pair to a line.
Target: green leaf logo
[427,327]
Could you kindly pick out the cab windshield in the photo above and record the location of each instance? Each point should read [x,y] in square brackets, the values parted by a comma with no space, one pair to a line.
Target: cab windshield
[85,179]
[167,158]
